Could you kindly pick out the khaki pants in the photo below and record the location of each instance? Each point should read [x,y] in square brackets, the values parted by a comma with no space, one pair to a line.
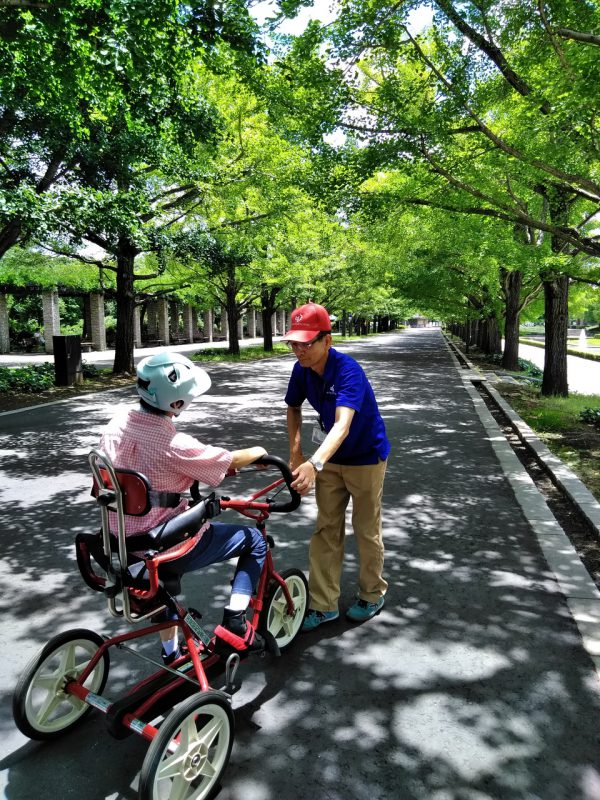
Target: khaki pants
[336,484]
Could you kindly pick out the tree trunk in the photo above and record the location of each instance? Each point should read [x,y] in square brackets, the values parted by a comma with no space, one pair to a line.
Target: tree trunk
[492,340]
[512,293]
[9,236]
[123,363]
[479,328]
[556,307]
[268,299]
[233,316]
[556,294]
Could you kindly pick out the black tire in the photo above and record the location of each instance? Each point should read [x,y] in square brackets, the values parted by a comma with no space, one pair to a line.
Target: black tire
[274,616]
[190,751]
[41,709]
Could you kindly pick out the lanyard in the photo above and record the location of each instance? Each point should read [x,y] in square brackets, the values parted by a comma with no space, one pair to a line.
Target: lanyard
[322,403]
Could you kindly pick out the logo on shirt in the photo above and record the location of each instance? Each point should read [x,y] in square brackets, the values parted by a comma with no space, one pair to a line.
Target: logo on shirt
[331,390]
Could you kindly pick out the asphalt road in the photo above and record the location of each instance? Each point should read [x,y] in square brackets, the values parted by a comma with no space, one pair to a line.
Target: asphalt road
[471,684]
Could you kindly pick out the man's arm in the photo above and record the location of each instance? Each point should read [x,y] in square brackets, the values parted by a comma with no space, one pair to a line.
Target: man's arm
[305,474]
[294,426]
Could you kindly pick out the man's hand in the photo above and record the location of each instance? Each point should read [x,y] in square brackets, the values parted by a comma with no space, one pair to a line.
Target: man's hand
[304,478]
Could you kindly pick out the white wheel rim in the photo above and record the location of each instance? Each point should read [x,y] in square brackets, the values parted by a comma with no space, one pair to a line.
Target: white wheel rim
[281,625]
[195,756]
[48,707]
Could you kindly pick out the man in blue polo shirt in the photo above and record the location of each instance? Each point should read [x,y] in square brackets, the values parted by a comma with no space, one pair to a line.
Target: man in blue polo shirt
[349,462]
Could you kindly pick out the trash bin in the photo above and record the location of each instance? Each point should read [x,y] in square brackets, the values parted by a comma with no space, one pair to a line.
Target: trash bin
[67,359]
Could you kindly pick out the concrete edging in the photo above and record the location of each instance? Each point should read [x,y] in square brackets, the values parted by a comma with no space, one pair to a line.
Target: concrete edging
[581,593]
[577,492]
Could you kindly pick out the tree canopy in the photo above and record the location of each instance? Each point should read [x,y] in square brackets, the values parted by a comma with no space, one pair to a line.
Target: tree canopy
[368,164]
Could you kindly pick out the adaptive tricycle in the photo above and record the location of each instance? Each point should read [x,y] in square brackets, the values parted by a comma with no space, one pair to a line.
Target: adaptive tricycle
[189,724]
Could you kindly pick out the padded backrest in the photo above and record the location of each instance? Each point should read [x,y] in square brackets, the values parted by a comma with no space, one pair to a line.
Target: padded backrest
[135,488]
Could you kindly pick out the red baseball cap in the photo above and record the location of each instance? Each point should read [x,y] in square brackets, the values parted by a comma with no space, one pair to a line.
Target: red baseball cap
[308,321]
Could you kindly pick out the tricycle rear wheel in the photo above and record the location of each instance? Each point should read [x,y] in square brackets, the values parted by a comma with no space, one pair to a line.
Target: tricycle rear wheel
[42,709]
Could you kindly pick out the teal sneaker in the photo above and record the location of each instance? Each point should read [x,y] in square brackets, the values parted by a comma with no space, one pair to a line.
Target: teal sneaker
[315,618]
[362,610]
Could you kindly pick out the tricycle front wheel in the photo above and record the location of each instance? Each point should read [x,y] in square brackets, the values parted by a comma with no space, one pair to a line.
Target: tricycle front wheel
[275,616]
[190,751]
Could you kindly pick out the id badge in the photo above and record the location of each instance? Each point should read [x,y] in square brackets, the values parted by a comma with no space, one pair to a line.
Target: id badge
[318,435]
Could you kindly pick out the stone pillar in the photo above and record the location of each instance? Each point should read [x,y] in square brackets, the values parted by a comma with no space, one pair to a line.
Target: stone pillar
[87,319]
[208,325]
[274,323]
[173,312]
[152,319]
[259,323]
[282,327]
[163,320]
[188,323]
[137,326]
[240,328]
[4,330]
[98,327]
[252,323]
[51,318]
[224,328]
[195,324]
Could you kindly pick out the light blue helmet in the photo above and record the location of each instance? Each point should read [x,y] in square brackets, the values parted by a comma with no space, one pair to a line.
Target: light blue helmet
[169,381]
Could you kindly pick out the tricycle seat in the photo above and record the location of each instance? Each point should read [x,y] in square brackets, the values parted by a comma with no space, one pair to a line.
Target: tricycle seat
[136,567]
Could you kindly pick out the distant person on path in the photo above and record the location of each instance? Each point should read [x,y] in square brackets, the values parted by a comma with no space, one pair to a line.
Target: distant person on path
[144,439]
[349,462]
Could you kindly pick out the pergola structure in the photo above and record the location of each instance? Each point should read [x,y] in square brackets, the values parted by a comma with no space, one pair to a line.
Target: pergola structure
[166,321]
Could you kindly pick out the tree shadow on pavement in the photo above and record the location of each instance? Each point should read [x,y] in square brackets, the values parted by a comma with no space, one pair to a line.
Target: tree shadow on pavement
[470,684]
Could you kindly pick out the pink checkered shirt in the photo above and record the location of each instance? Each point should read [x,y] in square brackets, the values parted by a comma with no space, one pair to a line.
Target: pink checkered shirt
[150,444]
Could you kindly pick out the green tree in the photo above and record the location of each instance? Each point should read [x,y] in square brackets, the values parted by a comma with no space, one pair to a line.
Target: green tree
[101,118]
[494,106]
[254,235]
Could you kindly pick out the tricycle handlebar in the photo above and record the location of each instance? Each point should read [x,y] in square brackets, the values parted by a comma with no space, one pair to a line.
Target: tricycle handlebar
[286,474]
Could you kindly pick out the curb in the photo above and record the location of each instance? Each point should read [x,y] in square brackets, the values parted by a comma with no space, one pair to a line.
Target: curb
[581,593]
[562,475]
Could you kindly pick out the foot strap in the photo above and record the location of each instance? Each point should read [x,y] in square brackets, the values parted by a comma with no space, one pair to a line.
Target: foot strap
[237,642]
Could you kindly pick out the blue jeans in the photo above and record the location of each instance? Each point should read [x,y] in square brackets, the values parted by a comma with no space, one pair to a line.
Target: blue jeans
[220,543]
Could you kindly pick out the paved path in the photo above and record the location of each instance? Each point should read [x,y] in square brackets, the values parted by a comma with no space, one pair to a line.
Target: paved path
[583,374]
[472,684]
[106,358]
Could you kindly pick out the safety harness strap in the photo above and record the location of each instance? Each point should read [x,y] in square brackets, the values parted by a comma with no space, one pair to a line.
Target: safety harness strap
[164,499]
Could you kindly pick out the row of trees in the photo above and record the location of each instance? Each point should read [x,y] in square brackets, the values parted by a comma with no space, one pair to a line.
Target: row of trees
[136,138]
[472,153]
[162,143]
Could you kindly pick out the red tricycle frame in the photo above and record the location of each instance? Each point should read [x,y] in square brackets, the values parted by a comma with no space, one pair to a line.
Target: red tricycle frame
[189,724]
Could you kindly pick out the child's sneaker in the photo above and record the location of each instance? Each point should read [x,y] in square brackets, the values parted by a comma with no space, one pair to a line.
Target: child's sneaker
[315,618]
[238,634]
[175,655]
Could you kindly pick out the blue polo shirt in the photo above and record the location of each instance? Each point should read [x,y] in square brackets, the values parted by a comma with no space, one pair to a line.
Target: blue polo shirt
[343,383]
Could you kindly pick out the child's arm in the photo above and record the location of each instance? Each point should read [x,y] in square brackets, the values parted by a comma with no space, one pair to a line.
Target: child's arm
[241,458]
